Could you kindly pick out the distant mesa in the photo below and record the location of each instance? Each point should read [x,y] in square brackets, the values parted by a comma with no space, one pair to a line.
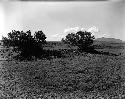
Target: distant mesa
[113,40]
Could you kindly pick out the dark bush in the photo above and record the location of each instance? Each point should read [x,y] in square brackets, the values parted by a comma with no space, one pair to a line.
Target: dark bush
[83,40]
[25,44]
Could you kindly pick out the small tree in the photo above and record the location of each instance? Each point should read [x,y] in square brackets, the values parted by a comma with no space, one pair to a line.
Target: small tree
[40,37]
[82,39]
[25,43]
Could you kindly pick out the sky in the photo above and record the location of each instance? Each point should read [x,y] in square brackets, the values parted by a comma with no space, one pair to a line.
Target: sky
[57,19]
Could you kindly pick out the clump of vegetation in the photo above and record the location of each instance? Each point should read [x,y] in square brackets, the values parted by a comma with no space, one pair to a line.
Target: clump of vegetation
[25,44]
[82,39]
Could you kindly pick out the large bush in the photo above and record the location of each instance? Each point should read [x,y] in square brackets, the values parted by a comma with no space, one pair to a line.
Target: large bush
[25,44]
[82,39]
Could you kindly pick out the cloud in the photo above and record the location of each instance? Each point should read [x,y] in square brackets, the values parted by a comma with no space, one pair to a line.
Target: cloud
[72,30]
[83,29]
[93,29]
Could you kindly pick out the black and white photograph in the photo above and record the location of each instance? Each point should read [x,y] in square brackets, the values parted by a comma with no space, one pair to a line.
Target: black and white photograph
[62,49]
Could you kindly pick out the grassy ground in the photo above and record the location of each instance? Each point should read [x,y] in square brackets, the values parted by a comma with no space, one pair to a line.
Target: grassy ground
[84,76]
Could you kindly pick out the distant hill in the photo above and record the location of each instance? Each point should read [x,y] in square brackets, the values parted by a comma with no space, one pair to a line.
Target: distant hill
[108,43]
[110,40]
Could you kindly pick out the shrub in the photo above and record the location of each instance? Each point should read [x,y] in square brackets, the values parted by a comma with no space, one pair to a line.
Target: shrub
[25,44]
[83,40]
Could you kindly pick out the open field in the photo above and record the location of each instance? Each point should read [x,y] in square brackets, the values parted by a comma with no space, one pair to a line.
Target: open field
[83,76]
